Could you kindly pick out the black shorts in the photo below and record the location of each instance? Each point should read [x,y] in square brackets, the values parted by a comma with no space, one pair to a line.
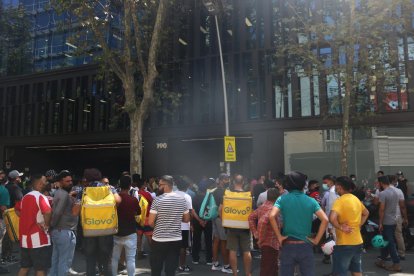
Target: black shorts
[38,258]
[185,234]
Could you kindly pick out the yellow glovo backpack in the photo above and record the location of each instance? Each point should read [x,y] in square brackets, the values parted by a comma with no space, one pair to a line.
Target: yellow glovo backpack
[98,214]
[143,205]
[237,206]
[12,224]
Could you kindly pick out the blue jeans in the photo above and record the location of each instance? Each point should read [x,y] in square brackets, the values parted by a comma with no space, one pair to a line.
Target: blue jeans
[389,235]
[297,254]
[347,258]
[130,244]
[64,243]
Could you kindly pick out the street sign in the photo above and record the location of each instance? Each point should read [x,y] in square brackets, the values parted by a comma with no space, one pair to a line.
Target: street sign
[230,148]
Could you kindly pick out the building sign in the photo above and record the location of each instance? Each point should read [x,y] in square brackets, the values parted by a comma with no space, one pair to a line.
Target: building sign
[230,148]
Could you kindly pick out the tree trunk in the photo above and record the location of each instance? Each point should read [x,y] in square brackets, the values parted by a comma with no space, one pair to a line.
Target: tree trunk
[136,126]
[348,91]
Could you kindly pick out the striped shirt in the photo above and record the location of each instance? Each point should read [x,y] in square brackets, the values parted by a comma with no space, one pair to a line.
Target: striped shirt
[169,209]
[32,208]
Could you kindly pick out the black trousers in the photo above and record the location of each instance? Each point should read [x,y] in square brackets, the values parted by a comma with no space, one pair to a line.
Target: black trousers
[164,254]
[98,250]
[208,236]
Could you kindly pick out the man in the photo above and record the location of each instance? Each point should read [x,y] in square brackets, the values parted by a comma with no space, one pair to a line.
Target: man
[263,232]
[402,184]
[4,203]
[167,212]
[51,182]
[238,238]
[126,238]
[348,214]
[297,210]
[16,195]
[388,200]
[63,225]
[402,219]
[146,230]
[219,234]
[263,196]
[35,213]
[98,248]
[182,186]
[201,226]
[327,202]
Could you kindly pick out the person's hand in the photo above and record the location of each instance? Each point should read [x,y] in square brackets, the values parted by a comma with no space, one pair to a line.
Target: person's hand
[203,223]
[314,241]
[256,235]
[346,228]
[405,222]
[380,228]
[281,239]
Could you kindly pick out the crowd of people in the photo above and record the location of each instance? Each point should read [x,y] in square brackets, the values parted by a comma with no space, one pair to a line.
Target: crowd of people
[290,217]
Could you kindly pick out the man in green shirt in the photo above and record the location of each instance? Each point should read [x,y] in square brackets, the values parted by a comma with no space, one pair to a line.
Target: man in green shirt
[297,210]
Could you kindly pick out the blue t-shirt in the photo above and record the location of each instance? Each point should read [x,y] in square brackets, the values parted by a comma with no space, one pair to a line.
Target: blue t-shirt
[297,211]
[4,196]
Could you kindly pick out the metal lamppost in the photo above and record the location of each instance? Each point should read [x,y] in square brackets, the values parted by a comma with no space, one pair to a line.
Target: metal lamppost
[214,8]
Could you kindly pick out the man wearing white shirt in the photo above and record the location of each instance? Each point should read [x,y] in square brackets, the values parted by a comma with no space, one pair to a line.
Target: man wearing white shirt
[185,226]
[329,199]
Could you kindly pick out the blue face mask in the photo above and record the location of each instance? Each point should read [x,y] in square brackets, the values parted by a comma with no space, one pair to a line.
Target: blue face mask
[325,187]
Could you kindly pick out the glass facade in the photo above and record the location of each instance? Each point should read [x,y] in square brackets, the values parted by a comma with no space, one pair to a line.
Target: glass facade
[261,84]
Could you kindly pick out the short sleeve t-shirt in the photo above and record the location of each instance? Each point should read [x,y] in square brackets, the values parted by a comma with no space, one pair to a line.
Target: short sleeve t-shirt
[390,198]
[169,209]
[187,197]
[297,211]
[127,210]
[400,197]
[349,209]
[4,196]
[32,207]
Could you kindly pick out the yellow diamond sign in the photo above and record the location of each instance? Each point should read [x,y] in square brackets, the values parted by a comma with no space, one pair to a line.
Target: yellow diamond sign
[230,148]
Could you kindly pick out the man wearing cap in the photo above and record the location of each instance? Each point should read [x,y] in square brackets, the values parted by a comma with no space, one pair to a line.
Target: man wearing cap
[219,234]
[16,195]
[63,225]
[15,191]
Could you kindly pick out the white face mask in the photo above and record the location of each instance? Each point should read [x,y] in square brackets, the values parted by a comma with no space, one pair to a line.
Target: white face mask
[325,187]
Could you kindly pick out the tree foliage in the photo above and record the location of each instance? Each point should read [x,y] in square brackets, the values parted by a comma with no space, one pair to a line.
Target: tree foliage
[127,35]
[359,46]
[15,50]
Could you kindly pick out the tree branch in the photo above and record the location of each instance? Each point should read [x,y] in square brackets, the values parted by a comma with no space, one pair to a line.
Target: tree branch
[138,44]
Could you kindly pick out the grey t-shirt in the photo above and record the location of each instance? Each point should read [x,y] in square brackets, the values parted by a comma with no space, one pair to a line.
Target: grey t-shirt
[62,217]
[390,198]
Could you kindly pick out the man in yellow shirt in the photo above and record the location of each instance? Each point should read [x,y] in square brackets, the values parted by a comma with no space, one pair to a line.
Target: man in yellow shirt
[348,214]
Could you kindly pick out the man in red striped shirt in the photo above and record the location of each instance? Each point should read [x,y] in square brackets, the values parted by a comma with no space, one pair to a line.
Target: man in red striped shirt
[35,213]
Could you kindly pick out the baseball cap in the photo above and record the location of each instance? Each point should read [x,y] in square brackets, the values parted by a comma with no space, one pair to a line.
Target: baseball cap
[15,174]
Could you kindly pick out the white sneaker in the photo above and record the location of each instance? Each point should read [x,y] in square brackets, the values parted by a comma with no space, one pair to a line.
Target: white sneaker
[227,269]
[216,266]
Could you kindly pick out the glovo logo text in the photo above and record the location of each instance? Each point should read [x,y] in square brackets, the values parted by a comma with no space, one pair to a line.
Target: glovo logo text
[236,211]
[100,221]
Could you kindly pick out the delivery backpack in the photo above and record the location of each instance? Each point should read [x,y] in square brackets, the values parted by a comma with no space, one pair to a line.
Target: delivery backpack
[98,214]
[143,205]
[12,224]
[209,208]
[237,206]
